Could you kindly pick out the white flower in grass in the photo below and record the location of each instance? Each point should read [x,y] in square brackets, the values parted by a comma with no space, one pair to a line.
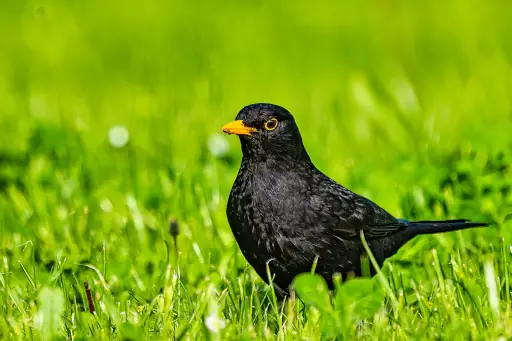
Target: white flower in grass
[214,323]
[490,280]
[218,145]
[118,136]
[106,205]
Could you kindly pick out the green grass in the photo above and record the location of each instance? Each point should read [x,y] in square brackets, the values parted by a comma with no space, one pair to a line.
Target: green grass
[406,103]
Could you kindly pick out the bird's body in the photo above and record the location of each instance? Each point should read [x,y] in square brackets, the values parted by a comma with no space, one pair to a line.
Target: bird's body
[284,212]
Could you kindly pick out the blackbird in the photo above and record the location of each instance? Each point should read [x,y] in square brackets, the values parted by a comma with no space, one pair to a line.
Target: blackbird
[284,212]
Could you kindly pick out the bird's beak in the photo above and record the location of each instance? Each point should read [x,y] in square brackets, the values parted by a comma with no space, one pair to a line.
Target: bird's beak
[238,127]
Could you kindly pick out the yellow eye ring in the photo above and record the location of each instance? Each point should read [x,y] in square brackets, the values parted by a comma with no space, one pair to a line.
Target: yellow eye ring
[271,124]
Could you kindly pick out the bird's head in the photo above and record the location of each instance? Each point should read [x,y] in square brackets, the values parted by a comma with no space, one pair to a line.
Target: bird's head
[267,131]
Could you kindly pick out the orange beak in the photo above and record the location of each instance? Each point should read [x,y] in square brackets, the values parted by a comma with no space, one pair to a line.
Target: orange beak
[238,128]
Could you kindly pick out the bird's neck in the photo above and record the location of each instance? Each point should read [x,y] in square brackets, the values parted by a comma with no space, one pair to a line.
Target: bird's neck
[284,160]
[280,164]
[285,154]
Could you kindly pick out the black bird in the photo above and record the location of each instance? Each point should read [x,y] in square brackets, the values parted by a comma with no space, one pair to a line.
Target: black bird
[285,212]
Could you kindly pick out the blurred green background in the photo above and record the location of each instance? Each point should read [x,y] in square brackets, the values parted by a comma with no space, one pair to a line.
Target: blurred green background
[408,103]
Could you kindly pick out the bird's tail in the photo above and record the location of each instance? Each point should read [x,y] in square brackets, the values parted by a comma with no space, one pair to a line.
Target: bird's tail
[427,227]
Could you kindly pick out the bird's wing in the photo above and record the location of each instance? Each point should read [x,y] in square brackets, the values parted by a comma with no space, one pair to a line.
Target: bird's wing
[346,214]
[373,220]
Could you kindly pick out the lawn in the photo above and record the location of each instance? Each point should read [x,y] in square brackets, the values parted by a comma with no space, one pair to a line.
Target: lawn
[110,114]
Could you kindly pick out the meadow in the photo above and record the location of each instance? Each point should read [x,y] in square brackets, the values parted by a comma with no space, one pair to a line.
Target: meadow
[110,115]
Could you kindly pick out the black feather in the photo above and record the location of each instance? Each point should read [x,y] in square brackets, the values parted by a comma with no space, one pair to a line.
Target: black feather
[428,227]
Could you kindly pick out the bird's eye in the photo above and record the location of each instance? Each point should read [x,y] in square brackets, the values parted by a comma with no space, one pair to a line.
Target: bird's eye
[271,124]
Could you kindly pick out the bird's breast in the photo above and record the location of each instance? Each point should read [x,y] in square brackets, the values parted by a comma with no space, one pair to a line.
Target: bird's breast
[267,205]
[271,216]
